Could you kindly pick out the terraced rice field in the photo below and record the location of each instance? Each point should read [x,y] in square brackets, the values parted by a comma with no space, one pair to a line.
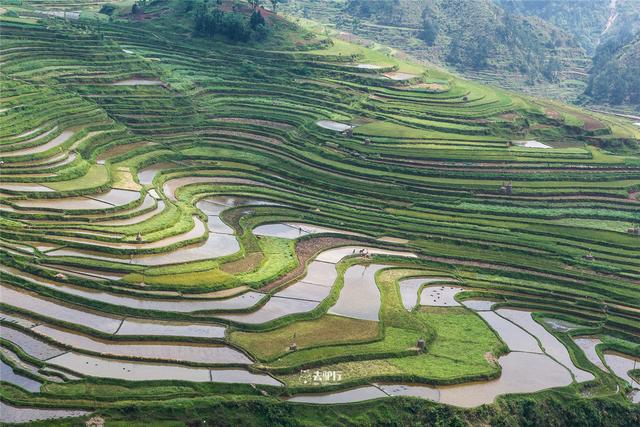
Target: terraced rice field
[182,219]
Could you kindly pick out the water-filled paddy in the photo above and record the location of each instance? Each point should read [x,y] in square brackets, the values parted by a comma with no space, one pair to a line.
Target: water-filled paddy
[14,414]
[409,289]
[275,308]
[360,296]
[478,305]
[516,338]
[7,374]
[440,296]
[176,305]
[142,371]
[55,142]
[30,344]
[620,364]
[521,373]
[182,352]
[331,125]
[293,230]
[588,346]
[15,186]
[55,310]
[138,82]
[550,344]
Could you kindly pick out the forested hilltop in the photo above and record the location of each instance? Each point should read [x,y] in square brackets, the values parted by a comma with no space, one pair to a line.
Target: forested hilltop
[580,51]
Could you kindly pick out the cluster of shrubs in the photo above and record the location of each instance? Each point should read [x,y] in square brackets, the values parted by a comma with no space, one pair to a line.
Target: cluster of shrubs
[211,21]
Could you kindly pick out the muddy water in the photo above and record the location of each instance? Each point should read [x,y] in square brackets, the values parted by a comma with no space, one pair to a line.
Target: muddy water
[65,203]
[106,200]
[354,395]
[58,140]
[208,354]
[588,347]
[550,344]
[16,320]
[411,390]
[141,371]
[521,373]
[275,308]
[331,125]
[216,225]
[306,291]
[14,414]
[368,66]
[478,305]
[560,325]
[240,376]
[55,310]
[16,186]
[146,175]
[294,230]
[335,255]
[177,305]
[177,329]
[138,82]
[360,296]
[139,218]
[516,338]
[198,230]
[620,364]
[398,76]
[216,245]
[31,345]
[321,273]
[409,289]
[171,186]
[8,375]
[440,296]
[131,371]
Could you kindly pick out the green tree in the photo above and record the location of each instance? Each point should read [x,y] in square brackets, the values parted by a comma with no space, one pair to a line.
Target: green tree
[256,19]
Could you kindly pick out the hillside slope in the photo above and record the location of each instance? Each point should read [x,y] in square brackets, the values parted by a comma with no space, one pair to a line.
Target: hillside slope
[541,47]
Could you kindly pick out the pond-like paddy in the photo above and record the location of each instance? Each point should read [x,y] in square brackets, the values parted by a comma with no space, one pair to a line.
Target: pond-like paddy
[138,82]
[440,296]
[331,125]
[17,186]
[243,301]
[294,230]
[110,199]
[521,373]
[409,289]
[550,344]
[275,308]
[588,347]
[8,375]
[31,345]
[13,414]
[143,371]
[478,305]
[141,327]
[58,140]
[54,310]
[182,352]
[531,144]
[515,337]
[360,296]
